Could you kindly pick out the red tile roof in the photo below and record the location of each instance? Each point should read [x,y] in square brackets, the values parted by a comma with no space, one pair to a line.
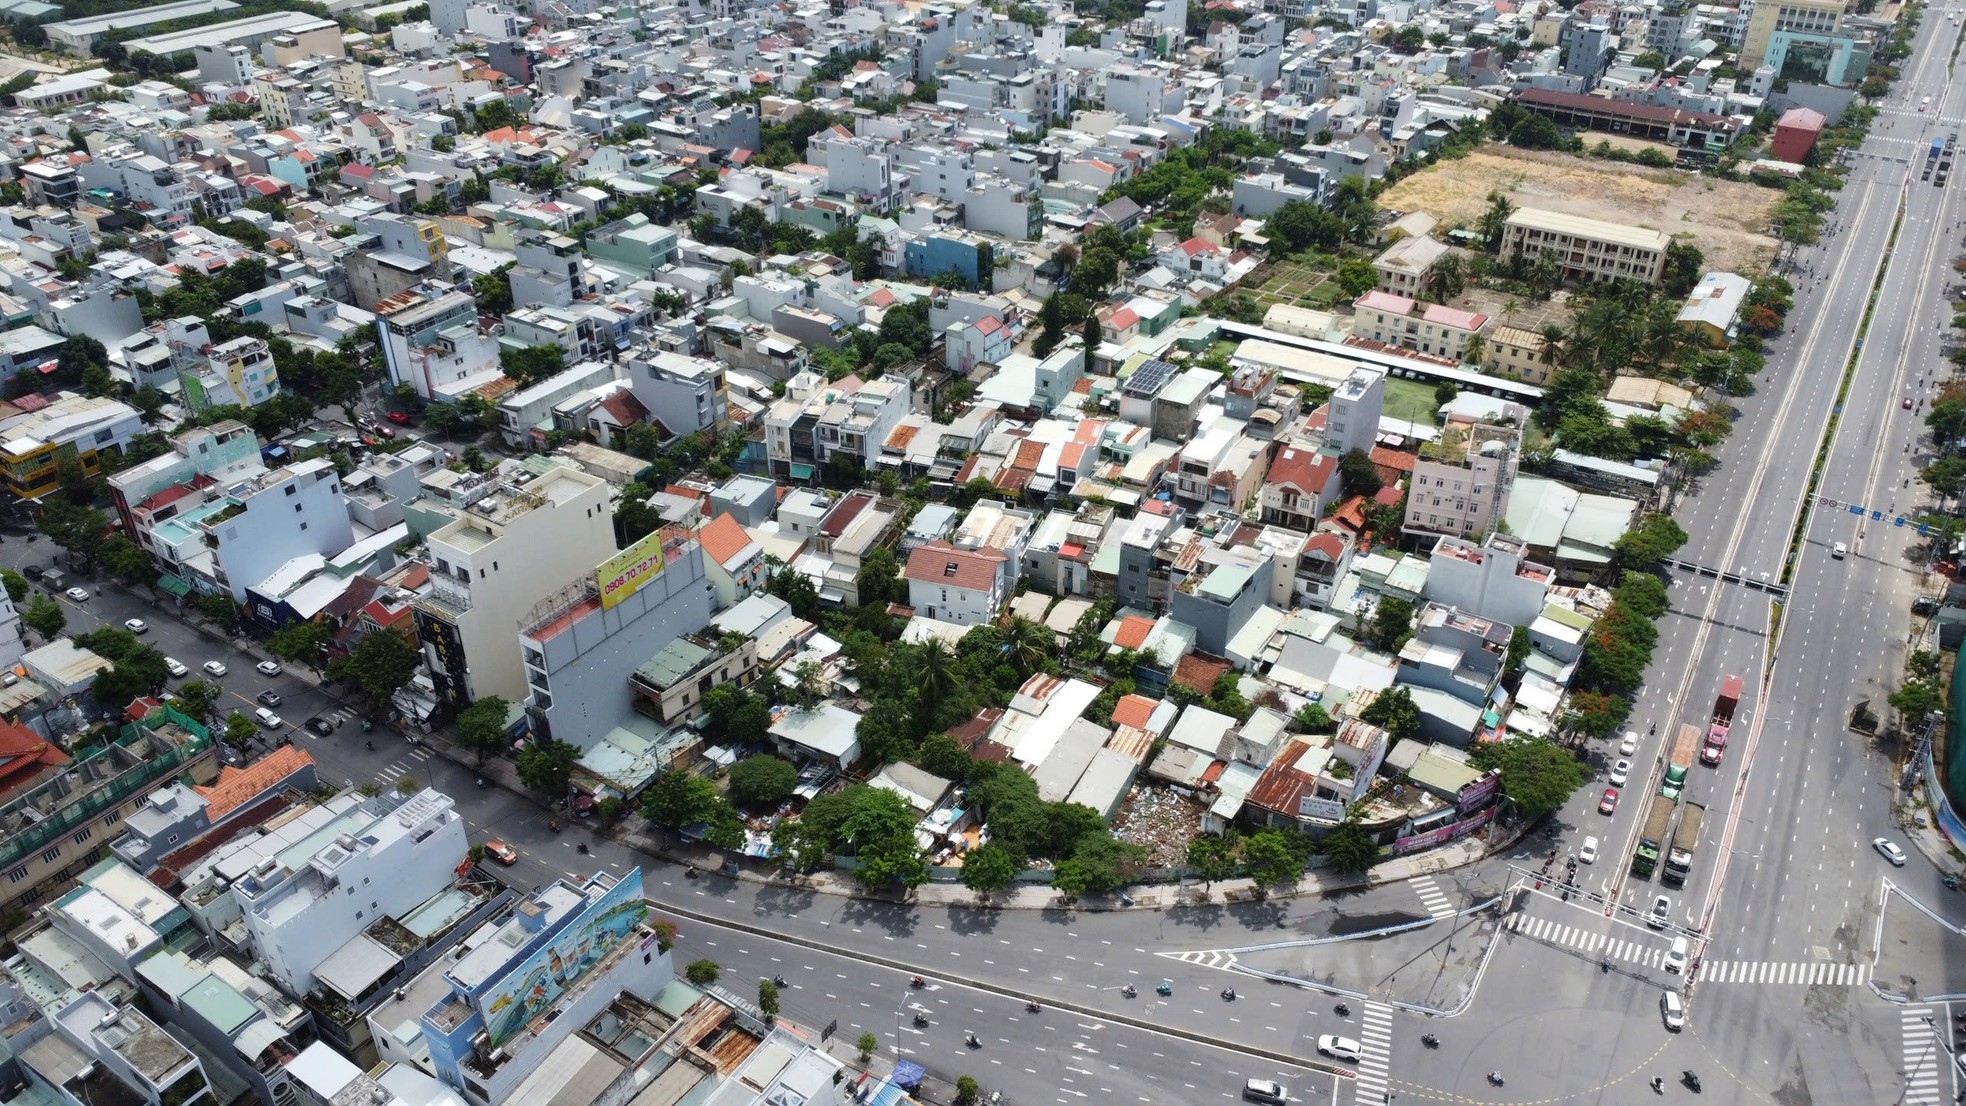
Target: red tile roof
[1133,631]
[723,538]
[1134,710]
[842,515]
[938,562]
[1199,672]
[25,757]
[1306,470]
[235,787]
[624,408]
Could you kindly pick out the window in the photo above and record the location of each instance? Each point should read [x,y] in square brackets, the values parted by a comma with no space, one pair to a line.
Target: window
[52,855]
[84,835]
[17,874]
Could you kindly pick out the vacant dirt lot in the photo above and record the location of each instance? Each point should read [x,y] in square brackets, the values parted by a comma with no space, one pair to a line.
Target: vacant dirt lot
[1723,219]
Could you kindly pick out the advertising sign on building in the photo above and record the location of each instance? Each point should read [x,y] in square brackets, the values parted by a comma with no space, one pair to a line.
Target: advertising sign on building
[623,574]
[531,989]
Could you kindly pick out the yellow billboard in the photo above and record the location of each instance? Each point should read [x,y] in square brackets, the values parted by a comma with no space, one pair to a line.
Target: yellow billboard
[623,574]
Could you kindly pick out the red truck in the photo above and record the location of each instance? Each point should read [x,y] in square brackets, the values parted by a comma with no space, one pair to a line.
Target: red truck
[1723,718]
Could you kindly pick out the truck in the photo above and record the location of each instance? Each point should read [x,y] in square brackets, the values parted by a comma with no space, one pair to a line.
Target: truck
[1938,147]
[1685,838]
[1722,721]
[1684,747]
[1646,856]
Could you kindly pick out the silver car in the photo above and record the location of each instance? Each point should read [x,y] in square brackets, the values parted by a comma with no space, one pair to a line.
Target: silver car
[1890,851]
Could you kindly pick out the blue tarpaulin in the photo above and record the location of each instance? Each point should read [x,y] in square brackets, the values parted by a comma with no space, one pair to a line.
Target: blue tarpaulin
[907,1073]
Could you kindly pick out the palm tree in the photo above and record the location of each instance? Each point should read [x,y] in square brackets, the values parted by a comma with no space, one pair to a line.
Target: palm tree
[1555,345]
[1495,218]
[1028,644]
[935,672]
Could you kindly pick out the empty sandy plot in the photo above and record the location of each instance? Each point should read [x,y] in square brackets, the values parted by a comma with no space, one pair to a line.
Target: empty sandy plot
[1724,219]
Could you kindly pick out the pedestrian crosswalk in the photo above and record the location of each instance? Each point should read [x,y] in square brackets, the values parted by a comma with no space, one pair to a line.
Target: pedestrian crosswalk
[395,771]
[1207,958]
[1375,1055]
[1436,900]
[1643,953]
[1805,973]
[1924,1053]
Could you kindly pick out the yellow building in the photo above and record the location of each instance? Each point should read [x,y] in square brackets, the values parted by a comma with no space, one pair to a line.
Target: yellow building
[36,440]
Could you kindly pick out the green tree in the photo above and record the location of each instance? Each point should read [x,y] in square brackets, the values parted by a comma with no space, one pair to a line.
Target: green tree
[1596,714]
[768,999]
[196,698]
[989,868]
[44,616]
[1212,858]
[137,673]
[531,364]
[481,726]
[944,756]
[702,973]
[762,781]
[111,643]
[1359,476]
[1101,864]
[303,642]
[79,530]
[1312,718]
[1392,621]
[222,611]
[1534,132]
[1394,710]
[1655,538]
[868,1044]
[547,766]
[968,1093]
[1270,859]
[380,664]
[1350,848]
[879,579]
[1356,277]
[239,729]
[16,585]
[128,561]
[680,799]
[1538,776]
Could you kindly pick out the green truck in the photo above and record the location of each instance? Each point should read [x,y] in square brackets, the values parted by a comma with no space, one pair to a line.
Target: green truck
[1652,837]
[1684,748]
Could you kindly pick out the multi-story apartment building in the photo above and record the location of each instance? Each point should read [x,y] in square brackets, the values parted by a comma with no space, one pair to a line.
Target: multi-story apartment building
[239,373]
[523,532]
[1427,327]
[686,394]
[56,825]
[1820,17]
[1586,249]
[584,648]
[237,536]
[1461,483]
[35,440]
[1516,353]
[818,419]
[430,341]
[222,451]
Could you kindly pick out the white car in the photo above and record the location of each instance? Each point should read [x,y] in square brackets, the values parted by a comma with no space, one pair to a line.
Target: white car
[1620,772]
[77,594]
[267,668]
[1660,914]
[1673,1009]
[1890,851]
[1676,955]
[1588,854]
[1838,550]
[214,668]
[268,719]
[1338,1048]
[176,668]
[1630,745]
[136,626]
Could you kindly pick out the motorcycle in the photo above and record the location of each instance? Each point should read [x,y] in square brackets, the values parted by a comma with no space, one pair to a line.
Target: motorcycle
[1430,1041]
[1692,1081]
[1495,1078]
[921,1018]
[1164,988]
[1128,991]
[1228,994]
[369,745]
[778,981]
[972,1042]
[581,848]
[1658,1084]
[918,983]
[690,872]
[553,824]
[1344,1010]
[1033,1006]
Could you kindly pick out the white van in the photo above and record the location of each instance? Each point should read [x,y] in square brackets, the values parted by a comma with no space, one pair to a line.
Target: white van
[1265,1091]
[267,718]
[1673,1009]
[1676,955]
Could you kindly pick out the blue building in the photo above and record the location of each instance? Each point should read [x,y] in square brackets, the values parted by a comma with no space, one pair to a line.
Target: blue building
[931,255]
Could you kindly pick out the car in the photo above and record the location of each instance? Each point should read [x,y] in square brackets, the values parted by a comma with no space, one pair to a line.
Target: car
[1338,1048]
[1629,745]
[1673,1010]
[267,668]
[1608,804]
[32,572]
[320,725]
[503,853]
[1266,1091]
[1838,550]
[1620,772]
[1661,912]
[1676,955]
[384,432]
[268,719]
[1907,403]
[136,625]
[1588,853]
[1890,851]
[214,668]
[398,417]
[268,698]
[80,595]
[176,668]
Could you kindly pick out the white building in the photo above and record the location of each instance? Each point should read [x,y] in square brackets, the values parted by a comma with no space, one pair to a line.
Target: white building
[963,586]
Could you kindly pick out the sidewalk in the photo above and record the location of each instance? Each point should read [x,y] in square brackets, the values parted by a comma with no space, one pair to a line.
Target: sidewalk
[637,833]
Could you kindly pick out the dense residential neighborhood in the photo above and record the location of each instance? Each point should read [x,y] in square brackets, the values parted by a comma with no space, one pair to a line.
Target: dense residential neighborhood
[945,456]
